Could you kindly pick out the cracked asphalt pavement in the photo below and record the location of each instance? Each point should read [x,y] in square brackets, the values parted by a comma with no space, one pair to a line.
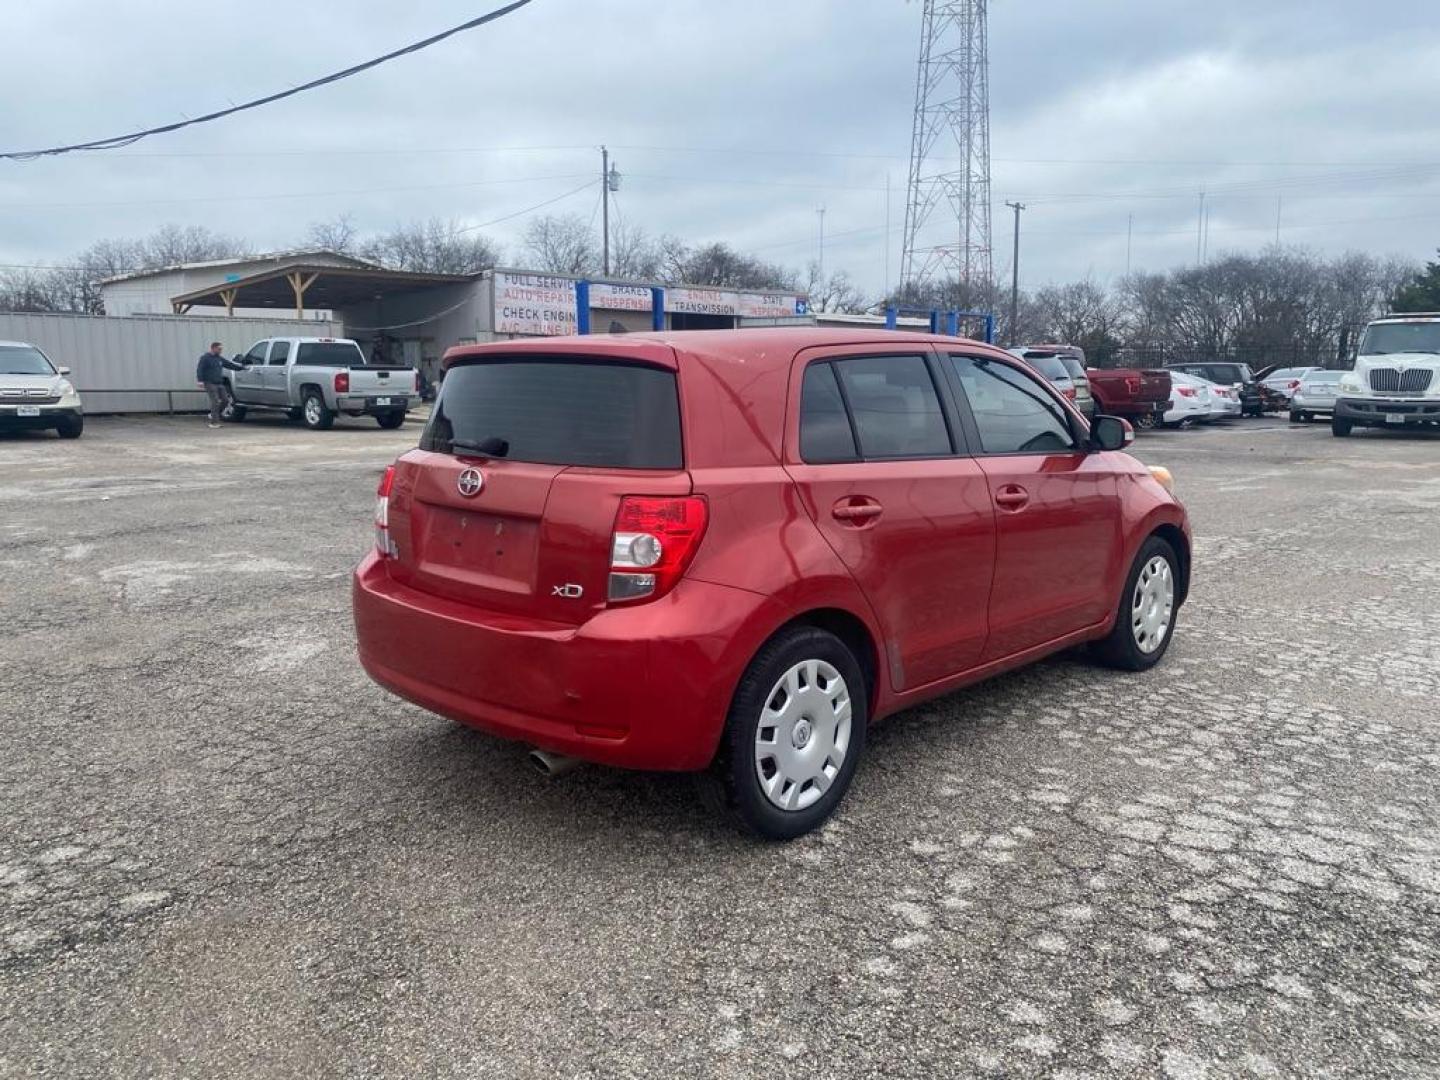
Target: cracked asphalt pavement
[223,852]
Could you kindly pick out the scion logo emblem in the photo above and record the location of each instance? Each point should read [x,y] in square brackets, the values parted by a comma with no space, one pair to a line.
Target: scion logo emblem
[470,482]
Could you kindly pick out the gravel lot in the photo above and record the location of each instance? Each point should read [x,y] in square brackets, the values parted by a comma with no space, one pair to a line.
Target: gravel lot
[223,852]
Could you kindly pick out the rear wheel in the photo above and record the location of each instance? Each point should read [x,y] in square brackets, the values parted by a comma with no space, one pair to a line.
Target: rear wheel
[391,420]
[1145,622]
[1146,421]
[316,416]
[1340,428]
[794,735]
[70,427]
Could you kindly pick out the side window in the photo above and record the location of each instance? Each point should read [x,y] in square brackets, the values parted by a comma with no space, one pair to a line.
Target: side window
[1013,412]
[256,355]
[279,353]
[825,433]
[895,407]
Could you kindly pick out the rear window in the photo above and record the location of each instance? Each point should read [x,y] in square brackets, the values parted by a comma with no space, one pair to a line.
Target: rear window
[561,412]
[1323,376]
[1049,365]
[1074,366]
[330,354]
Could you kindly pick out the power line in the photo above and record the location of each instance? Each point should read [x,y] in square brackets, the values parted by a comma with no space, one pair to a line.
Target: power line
[115,141]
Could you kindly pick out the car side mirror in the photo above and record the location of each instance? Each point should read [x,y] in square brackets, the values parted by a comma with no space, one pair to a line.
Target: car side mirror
[1111,433]
[64,371]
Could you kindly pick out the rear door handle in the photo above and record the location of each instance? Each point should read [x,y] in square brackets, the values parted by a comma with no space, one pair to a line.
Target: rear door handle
[1012,497]
[860,513]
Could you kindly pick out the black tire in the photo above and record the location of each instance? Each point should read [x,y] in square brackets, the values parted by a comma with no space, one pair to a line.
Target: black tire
[390,420]
[1120,649]
[735,771]
[1340,428]
[70,427]
[1146,421]
[295,414]
[1296,417]
[234,413]
[313,412]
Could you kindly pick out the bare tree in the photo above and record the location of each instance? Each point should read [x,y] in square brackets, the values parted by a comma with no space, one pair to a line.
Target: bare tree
[835,293]
[562,245]
[632,253]
[434,247]
[338,234]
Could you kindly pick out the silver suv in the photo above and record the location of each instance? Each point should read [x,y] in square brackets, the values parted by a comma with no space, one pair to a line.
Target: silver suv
[34,393]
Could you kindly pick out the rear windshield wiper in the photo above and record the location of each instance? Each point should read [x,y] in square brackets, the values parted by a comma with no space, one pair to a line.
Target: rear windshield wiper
[492,447]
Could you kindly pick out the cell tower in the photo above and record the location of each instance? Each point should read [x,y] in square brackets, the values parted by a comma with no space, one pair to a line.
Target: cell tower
[950,154]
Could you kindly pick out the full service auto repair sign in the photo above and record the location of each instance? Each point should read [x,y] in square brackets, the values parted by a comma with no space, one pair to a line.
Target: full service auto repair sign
[534,304]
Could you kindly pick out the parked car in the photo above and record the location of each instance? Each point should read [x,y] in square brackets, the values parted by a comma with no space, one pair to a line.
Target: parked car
[315,379]
[1064,369]
[1283,382]
[1225,403]
[1189,401]
[35,394]
[1141,395]
[1315,394]
[1396,380]
[1226,373]
[734,550]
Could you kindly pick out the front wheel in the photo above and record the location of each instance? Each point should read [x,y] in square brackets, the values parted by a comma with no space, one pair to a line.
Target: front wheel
[1145,622]
[391,420]
[794,735]
[70,427]
[316,416]
[1340,428]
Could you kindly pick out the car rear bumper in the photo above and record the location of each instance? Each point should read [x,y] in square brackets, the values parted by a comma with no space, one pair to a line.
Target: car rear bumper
[643,687]
[355,403]
[1301,403]
[1378,412]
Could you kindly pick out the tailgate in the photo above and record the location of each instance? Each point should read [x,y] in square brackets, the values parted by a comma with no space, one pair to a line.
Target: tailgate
[1154,386]
[369,381]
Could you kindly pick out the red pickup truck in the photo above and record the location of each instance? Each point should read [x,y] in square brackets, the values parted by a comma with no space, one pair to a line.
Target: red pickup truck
[1141,395]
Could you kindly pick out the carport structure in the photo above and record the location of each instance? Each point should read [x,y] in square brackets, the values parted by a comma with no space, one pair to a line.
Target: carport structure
[301,285]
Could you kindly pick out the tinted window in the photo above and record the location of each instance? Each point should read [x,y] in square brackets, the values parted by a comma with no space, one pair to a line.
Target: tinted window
[329,354]
[561,412]
[1075,367]
[23,360]
[256,355]
[1014,413]
[279,352]
[895,406]
[1048,365]
[825,433]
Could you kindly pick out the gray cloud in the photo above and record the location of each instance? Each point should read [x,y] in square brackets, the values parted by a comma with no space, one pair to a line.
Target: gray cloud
[736,121]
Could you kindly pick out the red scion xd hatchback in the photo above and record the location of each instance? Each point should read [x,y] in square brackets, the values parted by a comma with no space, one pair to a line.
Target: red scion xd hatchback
[734,550]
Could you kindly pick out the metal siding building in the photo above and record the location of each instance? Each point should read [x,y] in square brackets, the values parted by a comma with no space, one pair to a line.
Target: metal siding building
[144,353]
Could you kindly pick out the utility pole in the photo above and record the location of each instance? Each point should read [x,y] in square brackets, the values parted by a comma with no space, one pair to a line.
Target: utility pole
[1200,232]
[887,235]
[1279,202]
[605,211]
[1129,239]
[1015,277]
[820,272]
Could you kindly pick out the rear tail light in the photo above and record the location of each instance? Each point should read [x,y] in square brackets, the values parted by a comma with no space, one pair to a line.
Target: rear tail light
[1294,383]
[654,540]
[1132,385]
[1185,391]
[342,382]
[383,544]
[1069,394]
[417,382]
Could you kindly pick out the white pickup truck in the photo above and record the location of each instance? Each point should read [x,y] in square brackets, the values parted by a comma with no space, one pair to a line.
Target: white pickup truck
[316,379]
[1396,380]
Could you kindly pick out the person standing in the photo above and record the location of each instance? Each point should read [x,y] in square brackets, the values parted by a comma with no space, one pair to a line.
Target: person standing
[210,373]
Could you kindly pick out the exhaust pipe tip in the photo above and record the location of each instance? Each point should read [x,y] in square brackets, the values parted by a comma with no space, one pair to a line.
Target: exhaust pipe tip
[551,765]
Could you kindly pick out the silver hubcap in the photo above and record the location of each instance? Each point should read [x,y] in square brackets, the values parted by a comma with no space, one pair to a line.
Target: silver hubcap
[312,410]
[803,735]
[1153,604]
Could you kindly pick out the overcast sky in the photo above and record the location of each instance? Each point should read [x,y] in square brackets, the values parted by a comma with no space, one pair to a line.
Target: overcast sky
[733,121]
